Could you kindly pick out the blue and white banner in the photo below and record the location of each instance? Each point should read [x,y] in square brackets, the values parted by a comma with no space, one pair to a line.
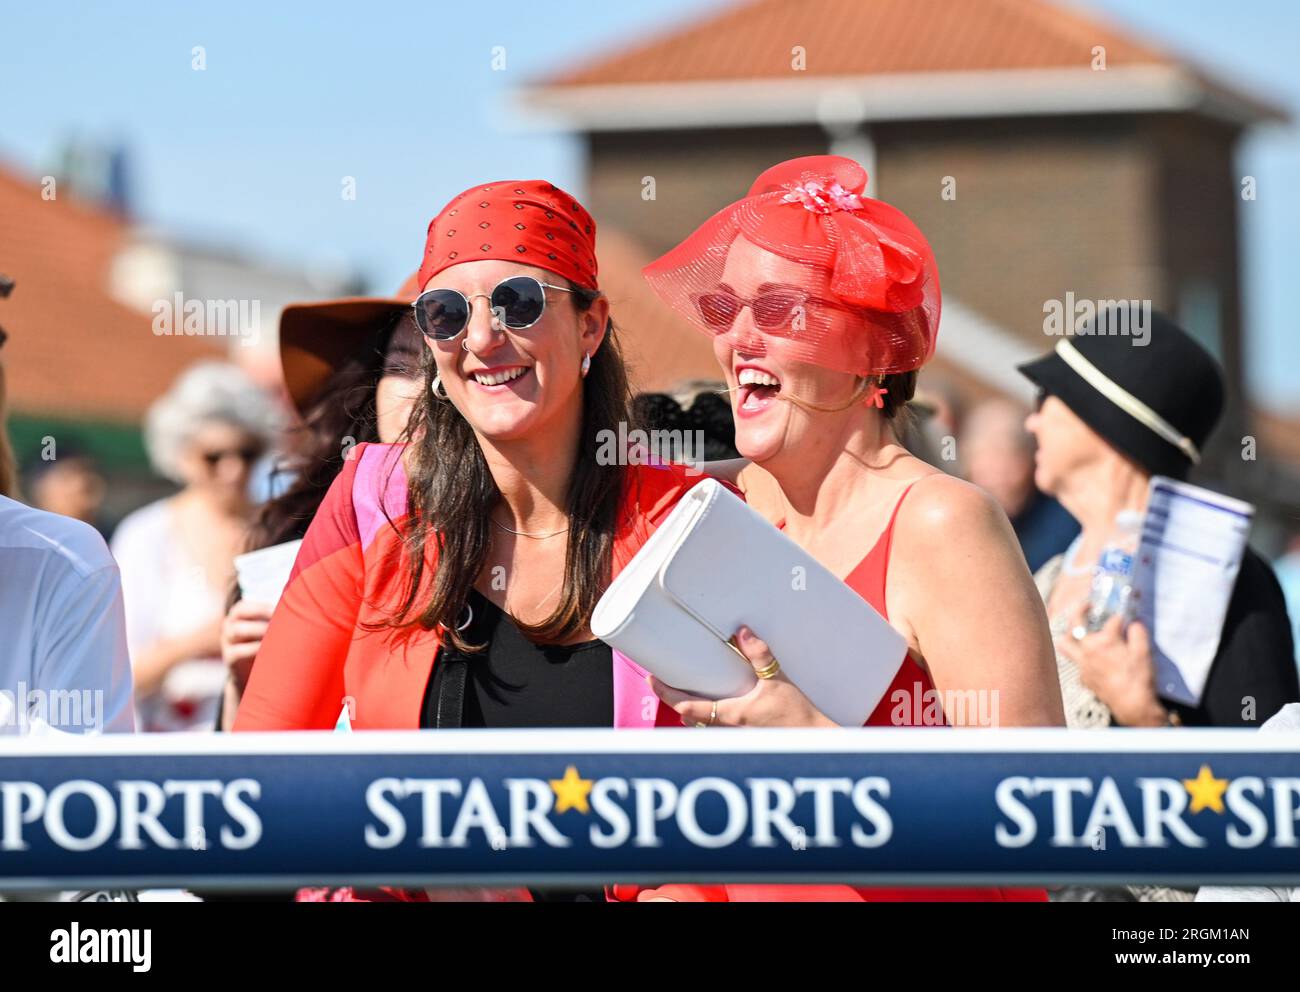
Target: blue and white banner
[864,806]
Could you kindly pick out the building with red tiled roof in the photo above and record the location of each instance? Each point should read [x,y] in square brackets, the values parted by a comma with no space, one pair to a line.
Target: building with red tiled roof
[1043,151]
[74,352]
[84,359]
[908,58]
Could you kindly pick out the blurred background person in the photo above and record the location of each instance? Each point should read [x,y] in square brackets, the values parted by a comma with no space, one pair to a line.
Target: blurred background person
[710,413]
[929,425]
[352,368]
[942,401]
[1110,416]
[176,554]
[657,411]
[698,406]
[998,456]
[70,484]
[1100,439]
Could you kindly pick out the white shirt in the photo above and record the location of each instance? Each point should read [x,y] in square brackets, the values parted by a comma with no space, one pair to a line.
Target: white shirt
[168,595]
[63,656]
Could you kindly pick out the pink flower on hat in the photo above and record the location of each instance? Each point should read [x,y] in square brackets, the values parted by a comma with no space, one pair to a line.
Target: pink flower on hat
[818,199]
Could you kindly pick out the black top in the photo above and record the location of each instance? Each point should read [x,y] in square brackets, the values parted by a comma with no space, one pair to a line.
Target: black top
[1253,674]
[514,682]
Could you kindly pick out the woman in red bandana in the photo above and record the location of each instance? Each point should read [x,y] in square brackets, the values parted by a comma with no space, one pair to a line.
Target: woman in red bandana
[822,304]
[494,531]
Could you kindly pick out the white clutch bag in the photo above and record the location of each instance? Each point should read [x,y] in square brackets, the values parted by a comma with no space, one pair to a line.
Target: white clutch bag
[715,564]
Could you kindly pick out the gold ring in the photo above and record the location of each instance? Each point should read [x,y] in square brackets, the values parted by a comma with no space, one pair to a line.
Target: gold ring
[713,715]
[768,671]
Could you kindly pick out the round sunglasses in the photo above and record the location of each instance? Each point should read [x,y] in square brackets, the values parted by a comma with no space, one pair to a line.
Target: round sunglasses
[518,302]
[774,310]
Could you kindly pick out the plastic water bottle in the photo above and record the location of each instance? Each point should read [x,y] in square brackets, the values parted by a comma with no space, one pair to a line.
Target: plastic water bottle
[1112,579]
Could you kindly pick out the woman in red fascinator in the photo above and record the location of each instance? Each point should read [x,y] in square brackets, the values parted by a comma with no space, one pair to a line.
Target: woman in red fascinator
[822,304]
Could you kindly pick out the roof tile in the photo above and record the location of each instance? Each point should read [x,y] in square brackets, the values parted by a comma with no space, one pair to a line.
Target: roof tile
[866,37]
[73,350]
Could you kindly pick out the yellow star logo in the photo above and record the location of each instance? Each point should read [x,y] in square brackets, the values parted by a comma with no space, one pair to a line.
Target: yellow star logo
[571,791]
[1206,791]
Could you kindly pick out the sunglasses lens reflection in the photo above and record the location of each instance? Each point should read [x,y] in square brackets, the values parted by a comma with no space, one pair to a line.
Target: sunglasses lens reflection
[442,313]
[521,299]
[718,310]
[774,310]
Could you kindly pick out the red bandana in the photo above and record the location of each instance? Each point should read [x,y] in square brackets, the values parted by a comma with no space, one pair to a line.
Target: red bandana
[528,221]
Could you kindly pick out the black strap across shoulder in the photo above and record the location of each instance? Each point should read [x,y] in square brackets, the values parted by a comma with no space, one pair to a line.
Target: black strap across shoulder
[444,703]
[449,710]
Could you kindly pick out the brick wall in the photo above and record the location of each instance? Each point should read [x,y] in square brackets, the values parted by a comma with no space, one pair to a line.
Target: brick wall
[1042,208]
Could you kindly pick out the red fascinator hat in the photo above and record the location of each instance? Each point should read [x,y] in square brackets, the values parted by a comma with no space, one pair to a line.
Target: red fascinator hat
[843,280]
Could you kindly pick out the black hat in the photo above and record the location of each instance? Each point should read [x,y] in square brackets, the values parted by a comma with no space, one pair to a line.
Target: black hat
[1141,382]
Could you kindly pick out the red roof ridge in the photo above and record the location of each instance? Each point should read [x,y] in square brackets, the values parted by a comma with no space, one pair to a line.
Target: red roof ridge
[1051,29]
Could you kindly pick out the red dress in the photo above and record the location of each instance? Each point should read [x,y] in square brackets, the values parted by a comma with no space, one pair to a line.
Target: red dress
[868,581]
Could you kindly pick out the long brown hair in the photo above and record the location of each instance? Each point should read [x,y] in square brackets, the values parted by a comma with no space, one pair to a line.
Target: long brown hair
[451,493]
[343,417]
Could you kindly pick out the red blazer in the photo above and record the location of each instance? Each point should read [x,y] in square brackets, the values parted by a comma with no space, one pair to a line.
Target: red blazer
[318,657]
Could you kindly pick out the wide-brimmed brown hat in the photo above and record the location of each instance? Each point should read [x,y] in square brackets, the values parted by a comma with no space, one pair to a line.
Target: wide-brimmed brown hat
[317,338]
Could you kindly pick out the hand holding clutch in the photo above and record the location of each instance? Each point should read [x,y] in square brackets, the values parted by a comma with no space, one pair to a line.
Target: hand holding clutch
[774,701]
[715,565]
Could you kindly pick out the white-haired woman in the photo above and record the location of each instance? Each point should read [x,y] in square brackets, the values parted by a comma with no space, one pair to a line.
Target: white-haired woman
[205,434]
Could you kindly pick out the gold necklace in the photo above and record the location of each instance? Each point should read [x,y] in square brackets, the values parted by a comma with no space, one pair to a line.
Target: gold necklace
[524,533]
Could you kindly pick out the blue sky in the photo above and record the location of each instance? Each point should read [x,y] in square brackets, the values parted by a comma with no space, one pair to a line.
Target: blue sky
[402,95]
